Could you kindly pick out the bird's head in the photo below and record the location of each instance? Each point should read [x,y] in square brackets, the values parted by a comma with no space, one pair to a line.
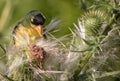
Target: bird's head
[34,19]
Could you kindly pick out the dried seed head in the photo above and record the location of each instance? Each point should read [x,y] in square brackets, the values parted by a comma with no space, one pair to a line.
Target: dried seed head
[37,53]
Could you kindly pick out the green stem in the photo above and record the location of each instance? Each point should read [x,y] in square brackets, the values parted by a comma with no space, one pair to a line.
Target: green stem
[116,3]
[6,77]
[2,48]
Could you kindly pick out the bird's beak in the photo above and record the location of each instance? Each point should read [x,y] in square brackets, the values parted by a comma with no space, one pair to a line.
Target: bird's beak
[39,30]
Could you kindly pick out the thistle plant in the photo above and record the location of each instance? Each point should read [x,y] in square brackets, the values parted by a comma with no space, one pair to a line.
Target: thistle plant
[96,44]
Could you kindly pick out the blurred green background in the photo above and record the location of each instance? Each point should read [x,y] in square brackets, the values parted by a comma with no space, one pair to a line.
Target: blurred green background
[11,11]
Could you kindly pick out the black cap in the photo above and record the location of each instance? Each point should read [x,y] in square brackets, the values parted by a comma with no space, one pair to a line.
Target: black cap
[38,20]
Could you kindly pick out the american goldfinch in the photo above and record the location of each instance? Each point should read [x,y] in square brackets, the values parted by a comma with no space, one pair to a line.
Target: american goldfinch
[29,29]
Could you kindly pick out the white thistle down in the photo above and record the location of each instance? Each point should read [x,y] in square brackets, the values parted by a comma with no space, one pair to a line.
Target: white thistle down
[80,29]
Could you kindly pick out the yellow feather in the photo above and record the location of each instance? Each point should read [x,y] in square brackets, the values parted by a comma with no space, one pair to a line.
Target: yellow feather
[26,35]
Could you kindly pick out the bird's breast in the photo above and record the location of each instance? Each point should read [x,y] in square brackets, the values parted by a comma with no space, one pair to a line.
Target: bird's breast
[26,35]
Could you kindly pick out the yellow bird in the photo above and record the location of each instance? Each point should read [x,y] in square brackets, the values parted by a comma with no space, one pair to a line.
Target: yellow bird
[29,29]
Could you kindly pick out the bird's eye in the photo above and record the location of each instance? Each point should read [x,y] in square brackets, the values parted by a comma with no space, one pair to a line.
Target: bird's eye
[32,18]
